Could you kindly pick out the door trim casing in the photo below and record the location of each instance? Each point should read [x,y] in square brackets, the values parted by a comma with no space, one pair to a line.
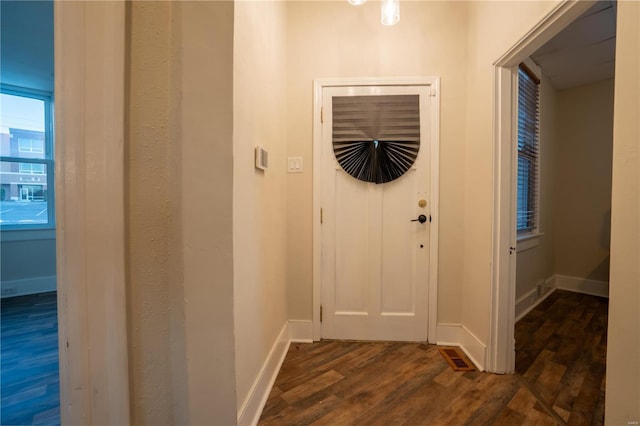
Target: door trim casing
[434,132]
[90,53]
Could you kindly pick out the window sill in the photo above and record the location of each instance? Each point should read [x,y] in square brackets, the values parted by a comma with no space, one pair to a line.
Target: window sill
[528,241]
[8,235]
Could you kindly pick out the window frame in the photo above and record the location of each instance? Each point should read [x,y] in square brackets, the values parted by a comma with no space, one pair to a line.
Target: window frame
[47,161]
[534,72]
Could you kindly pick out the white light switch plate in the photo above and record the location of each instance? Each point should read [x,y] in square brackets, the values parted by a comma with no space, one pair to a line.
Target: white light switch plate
[294,164]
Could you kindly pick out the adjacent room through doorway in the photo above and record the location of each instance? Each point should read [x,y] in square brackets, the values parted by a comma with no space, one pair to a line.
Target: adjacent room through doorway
[29,379]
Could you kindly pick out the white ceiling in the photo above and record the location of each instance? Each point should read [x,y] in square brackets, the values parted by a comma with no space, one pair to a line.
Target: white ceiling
[584,52]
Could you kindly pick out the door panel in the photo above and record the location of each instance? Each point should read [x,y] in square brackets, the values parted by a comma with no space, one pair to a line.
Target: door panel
[397,235]
[375,260]
[351,256]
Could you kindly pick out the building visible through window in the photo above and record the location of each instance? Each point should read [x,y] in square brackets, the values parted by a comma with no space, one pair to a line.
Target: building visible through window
[26,160]
[528,158]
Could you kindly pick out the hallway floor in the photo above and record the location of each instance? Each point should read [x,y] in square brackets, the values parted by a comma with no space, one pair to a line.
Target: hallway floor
[561,349]
[560,362]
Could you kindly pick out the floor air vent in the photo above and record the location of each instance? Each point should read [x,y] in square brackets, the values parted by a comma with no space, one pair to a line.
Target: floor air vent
[456,359]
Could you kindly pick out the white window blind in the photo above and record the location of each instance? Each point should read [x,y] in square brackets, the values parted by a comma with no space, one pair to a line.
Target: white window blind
[528,152]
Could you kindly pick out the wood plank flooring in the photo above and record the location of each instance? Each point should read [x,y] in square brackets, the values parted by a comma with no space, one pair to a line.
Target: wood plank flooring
[29,381]
[560,380]
[561,349]
[560,363]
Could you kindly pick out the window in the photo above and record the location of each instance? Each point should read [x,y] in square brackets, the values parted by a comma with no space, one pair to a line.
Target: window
[31,145]
[26,159]
[528,158]
[32,168]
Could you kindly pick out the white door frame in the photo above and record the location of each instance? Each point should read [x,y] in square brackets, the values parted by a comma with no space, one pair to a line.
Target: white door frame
[89,182]
[434,132]
[501,349]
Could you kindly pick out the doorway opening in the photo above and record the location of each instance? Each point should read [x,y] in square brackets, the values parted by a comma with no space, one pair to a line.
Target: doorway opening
[581,101]
[30,352]
[562,258]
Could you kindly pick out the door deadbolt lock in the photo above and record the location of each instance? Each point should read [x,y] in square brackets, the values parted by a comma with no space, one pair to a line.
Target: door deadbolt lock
[422,203]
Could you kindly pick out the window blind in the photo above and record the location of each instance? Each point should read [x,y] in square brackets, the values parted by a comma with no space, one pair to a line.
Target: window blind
[528,149]
[376,138]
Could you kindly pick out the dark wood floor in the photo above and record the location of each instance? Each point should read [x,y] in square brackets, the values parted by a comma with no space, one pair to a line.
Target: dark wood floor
[561,349]
[560,363]
[29,381]
[560,379]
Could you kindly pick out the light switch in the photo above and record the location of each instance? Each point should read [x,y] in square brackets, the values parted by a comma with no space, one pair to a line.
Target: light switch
[294,164]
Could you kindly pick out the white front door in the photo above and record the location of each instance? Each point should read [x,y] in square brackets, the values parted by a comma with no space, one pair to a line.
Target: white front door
[375,253]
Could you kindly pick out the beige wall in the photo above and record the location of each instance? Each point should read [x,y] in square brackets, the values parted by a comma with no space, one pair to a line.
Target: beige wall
[206,155]
[583,186]
[259,200]
[180,246]
[335,39]
[434,38]
[148,215]
[27,258]
[537,264]
[623,342]
[493,28]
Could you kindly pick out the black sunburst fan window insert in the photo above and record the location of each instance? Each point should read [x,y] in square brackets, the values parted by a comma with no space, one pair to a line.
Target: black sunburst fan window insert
[376,138]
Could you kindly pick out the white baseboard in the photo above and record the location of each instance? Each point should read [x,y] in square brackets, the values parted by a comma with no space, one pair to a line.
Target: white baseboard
[581,285]
[474,348]
[301,331]
[250,411]
[525,303]
[459,335]
[27,286]
[448,334]
[292,331]
[529,301]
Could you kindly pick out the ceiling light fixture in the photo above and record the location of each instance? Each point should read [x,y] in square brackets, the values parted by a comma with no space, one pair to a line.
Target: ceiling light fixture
[390,12]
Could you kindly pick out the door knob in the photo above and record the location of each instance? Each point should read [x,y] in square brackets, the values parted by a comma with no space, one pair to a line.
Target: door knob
[422,219]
